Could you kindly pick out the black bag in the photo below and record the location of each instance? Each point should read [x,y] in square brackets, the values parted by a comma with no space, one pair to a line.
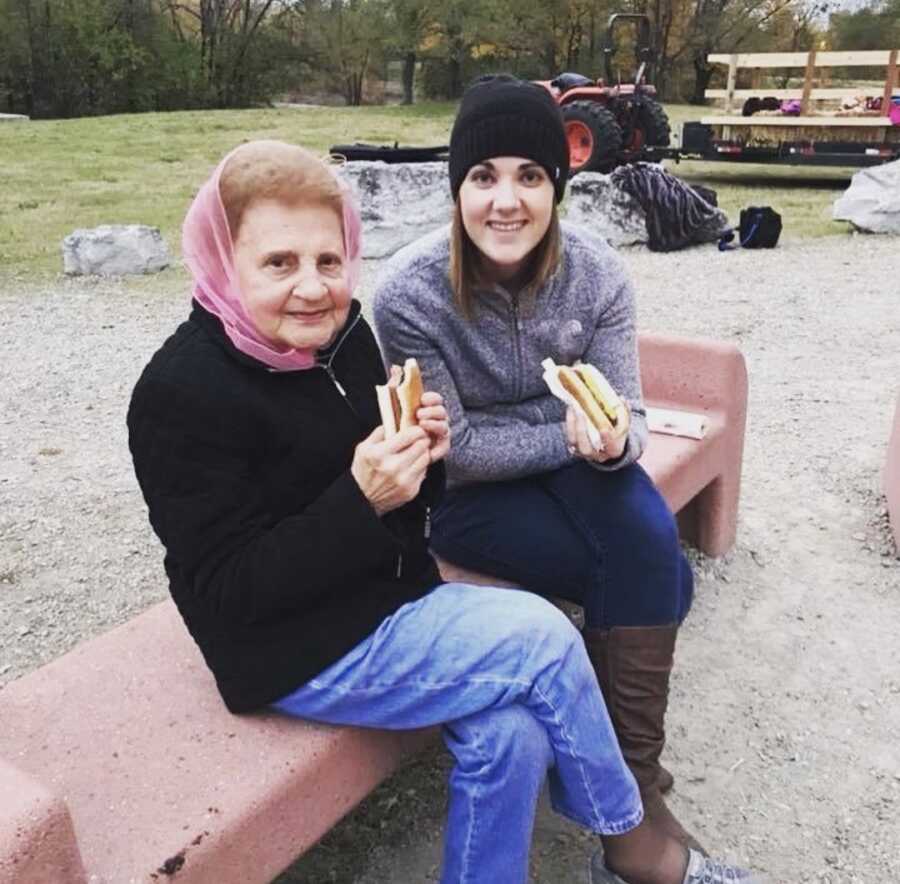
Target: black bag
[706,193]
[388,154]
[760,227]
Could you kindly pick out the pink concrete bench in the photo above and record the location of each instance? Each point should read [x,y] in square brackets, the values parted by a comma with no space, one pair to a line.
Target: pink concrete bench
[119,763]
[125,766]
[700,479]
[892,476]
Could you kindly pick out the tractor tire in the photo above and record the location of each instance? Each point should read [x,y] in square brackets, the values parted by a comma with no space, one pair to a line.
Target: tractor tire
[654,123]
[594,136]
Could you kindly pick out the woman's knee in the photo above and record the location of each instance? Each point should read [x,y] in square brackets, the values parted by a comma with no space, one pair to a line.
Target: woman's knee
[649,520]
[618,512]
[512,611]
[508,633]
[509,736]
[541,623]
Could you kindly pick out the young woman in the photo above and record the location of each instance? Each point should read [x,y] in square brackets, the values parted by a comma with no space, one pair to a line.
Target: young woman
[531,501]
[295,536]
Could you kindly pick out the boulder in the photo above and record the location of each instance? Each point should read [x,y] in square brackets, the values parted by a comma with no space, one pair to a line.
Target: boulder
[399,202]
[115,250]
[872,201]
[599,205]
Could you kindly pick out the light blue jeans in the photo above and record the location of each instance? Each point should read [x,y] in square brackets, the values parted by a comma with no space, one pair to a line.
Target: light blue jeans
[508,677]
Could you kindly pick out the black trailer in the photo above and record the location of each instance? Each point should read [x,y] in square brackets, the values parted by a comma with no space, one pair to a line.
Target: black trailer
[700,142]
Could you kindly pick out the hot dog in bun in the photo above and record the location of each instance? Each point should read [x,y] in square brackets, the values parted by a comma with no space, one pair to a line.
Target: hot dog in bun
[593,393]
[400,398]
[587,386]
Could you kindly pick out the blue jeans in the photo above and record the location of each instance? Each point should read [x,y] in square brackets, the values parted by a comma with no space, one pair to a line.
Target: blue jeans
[508,677]
[605,540]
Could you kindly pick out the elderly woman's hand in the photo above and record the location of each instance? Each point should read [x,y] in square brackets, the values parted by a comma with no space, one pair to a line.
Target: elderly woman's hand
[390,472]
[614,440]
[432,418]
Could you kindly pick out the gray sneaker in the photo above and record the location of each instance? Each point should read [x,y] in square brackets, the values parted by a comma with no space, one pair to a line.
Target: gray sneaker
[700,870]
[703,870]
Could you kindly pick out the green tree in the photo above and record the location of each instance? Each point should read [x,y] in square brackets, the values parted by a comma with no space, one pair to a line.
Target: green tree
[407,24]
[63,58]
[876,26]
[455,29]
[346,39]
[75,57]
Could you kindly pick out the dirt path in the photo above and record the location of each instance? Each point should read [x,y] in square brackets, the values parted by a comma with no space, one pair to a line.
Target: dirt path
[786,704]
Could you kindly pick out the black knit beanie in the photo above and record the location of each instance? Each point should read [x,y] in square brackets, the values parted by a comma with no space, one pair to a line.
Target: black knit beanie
[502,116]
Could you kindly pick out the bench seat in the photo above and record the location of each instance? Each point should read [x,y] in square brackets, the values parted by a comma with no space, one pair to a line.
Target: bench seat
[700,479]
[129,732]
[119,763]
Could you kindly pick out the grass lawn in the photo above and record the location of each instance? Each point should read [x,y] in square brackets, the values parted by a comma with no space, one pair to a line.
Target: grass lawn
[58,175]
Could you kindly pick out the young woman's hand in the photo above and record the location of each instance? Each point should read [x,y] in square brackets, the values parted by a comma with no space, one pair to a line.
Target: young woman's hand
[432,417]
[613,440]
[390,472]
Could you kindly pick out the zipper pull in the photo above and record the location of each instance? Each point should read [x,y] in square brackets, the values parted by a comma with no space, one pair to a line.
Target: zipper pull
[335,381]
[399,565]
[427,522]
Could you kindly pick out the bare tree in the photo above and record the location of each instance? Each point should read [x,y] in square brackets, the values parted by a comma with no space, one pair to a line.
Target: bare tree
[692,29]
[226,30]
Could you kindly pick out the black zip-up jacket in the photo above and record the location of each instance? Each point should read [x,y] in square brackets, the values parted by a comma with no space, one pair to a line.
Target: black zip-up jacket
[276,561]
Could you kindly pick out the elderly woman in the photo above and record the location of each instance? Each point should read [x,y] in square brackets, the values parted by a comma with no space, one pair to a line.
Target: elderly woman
[296,535]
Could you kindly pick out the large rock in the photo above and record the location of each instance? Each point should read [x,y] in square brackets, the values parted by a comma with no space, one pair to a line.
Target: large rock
[595,202]
[399,202]
[872,201]
[115,250]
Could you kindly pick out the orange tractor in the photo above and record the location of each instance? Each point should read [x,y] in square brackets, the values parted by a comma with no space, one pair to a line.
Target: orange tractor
[609,124]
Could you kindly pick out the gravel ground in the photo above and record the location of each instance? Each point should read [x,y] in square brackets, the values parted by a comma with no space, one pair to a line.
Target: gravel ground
[786,697]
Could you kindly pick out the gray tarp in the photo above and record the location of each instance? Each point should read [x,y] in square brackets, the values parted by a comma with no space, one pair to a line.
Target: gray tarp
[872,201]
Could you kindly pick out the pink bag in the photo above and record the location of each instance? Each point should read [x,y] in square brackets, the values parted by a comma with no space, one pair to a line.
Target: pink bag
[894,115]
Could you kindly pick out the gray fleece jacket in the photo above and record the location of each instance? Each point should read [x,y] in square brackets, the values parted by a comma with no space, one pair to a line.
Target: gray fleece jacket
[504,421]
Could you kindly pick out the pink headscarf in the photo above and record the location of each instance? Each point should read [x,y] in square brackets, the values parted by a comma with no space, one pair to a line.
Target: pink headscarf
[208,252]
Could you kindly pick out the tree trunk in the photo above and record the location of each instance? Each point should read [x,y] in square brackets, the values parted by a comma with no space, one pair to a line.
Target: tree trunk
[702,75]
[454,79]
[32,61]
[549,56]
[409,74]
[573,48]
[354,89]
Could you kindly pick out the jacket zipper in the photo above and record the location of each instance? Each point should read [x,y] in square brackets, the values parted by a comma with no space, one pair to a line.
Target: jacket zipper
[426,533]
[329,370]
[517,343]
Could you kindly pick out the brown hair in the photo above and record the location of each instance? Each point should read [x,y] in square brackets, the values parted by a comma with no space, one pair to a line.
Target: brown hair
[278,171]
[465,260]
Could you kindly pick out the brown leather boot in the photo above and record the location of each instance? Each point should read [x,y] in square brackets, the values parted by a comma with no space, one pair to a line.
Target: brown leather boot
[633,664]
